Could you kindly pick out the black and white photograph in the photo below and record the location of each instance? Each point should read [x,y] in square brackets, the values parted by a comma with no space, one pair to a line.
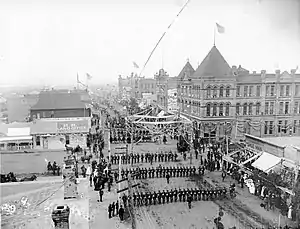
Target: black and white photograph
[150,114]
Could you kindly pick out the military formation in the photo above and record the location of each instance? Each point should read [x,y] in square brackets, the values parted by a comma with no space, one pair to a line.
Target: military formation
[144,158]
[180,195]
[159,172]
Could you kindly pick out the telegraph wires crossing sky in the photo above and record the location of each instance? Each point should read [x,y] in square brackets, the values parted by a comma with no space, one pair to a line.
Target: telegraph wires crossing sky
[182,8]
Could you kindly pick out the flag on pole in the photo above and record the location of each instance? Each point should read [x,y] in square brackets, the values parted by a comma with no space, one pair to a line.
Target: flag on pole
[88,76]
[220,28]
[78,78]
[135,65]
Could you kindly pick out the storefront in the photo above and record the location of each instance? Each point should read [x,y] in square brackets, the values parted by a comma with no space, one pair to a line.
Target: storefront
[54,134]
[16,143]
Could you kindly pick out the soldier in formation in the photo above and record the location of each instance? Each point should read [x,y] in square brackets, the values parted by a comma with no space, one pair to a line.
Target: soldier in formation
[144,158]
[160,172]
[174,195]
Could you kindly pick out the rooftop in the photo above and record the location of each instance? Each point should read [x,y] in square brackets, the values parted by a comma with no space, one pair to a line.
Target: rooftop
[187,71]
[59,99]
[213,64]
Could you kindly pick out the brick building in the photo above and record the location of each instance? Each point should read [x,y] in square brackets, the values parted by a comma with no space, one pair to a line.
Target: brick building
[231,101]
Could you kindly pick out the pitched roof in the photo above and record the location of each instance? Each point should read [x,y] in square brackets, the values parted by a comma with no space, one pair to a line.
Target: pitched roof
[59,100]
[213,64]
[187,70]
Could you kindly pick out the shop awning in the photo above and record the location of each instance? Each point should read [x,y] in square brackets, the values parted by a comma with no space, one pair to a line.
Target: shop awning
[266,162]
[16,138]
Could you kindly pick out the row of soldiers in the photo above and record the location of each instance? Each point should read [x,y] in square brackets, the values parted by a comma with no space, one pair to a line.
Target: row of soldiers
[141,158]
[160,172]
[180,195]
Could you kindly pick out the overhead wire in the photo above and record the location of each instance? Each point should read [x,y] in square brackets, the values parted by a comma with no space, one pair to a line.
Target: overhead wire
[160,39]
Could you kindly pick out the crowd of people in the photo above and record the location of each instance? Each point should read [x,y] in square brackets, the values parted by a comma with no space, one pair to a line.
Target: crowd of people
[134,158]
[54,168]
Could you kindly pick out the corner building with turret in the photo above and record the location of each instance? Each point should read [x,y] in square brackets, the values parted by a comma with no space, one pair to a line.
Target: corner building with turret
[230,101]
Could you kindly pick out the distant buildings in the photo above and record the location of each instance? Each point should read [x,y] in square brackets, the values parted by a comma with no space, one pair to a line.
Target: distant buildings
[140,87]
[231,101]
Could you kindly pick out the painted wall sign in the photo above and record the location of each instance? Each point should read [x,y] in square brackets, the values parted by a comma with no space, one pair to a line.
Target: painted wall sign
[72,127]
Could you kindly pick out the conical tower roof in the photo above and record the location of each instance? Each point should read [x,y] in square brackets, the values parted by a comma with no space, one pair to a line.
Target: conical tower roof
[187,71]
[213,64]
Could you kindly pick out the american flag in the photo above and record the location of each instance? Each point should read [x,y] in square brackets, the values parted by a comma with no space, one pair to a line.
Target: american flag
[88,76]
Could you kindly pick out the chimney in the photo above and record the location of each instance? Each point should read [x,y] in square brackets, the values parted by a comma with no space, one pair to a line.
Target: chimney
[234,70]
[293,71]
[277,75]
[263,74]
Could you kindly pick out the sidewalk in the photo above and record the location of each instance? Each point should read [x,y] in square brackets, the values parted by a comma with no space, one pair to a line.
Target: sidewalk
[99,210]
[246,198]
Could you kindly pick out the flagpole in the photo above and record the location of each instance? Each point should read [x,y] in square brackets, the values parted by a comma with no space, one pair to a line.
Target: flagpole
[215,35]
[77,81]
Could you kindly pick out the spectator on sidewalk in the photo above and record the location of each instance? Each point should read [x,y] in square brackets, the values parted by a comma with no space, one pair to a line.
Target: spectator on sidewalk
[109,211]
[124,198]
[101,195]
[117,207]
[121,213]
[91,180]
[113,207]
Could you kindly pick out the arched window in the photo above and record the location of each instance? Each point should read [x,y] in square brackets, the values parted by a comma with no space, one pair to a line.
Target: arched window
[221,91]
[257,109]
[208,92]
[227,109]
[221,109]
[250,108]
[215,109]
[215,92]
[237,108]
[227,91]
[208,109]
[245,109]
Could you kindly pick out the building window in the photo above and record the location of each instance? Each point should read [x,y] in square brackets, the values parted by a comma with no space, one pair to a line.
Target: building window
[38,116]
[258,90]
[250,91]
[267,90]
[272,90]
[296,107]
[221,109]
[237,109]
[44,114]
[238,91]
[279,126]
[271,108]
[245,109]
[208,109]
[221,91]
[257,109]
[286,108]
[285,127]
[215,109]
[215,92]
[67,139]
[52,114]
[250,109]
[266,108]
[271,127]
[245,91]
[281,90]
[208,91]
[38,140]
[228,91]
[281,108]
[266,127]
[287,90]
[227,109]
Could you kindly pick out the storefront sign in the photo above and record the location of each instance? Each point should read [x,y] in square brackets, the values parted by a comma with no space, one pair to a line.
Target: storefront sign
[72,127]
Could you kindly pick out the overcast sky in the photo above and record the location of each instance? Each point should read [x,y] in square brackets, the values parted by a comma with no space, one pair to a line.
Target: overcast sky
[48,42]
